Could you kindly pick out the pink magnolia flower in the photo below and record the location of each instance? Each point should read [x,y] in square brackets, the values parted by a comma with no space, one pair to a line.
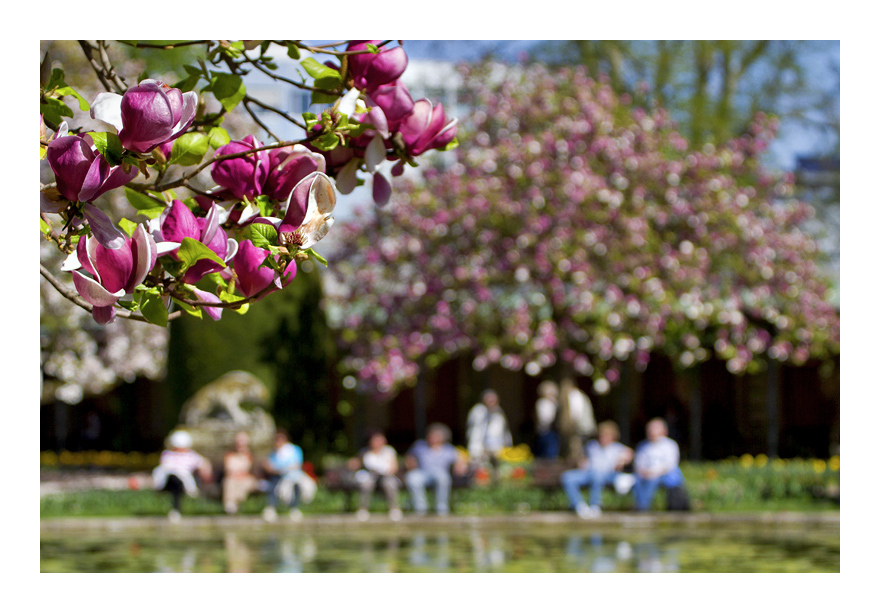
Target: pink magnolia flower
[102,276]
[147,115]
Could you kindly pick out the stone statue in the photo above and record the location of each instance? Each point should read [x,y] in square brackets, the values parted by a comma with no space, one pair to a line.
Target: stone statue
[233,403]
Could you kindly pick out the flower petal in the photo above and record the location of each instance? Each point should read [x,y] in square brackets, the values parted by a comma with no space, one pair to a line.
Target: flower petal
[103,315]
[381,189]
[212,312]
[93,292]
[144,254]
[103,229]
[107,108]
[375,153]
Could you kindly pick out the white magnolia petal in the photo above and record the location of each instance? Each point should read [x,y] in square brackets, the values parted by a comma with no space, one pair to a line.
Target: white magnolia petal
[212,222]
[107,108]
[93,292]
[165,247]
[146,254]
[322,196]
[231,249]
[375,153]
[348,103]
[71,262]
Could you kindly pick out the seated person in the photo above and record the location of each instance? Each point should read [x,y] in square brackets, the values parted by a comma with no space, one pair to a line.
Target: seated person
[378,465]
[177,470]
[238,481]
[656,464]
[286,479]
[429,462]
[487,429]
[603,461]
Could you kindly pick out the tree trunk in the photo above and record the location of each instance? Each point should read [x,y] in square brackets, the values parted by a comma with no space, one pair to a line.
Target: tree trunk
[569,438]
[421,400]
[773,408]
[695,411]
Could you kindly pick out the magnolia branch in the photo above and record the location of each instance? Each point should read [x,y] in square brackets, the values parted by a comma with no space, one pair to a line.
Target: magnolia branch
[75,299]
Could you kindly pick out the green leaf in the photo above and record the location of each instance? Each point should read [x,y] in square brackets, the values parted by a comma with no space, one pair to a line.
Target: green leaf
[373,48]
[263,235]
[128,226]
[292,51]
[44,227]
[322,98]
[53,110]
[326,142]
[142,202]
[329,82]
[153,309]
[450,145]
[108,145]
[189,149]
[188,308]
[217,137]
[56,80]
[191,251]
[69,91]
[316,255]
[229,297]
[228,88]
[318,70]
[187,84]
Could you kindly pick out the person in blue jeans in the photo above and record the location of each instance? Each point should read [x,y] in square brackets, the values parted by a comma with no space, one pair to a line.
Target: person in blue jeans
[656,464]
[604,460]
[430,463]
[284,463]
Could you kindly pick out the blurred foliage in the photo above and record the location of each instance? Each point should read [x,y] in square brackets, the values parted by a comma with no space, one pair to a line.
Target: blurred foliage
[713,88]
[283,340]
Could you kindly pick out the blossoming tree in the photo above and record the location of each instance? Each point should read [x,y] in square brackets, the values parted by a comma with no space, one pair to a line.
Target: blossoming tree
[578,230]
[184,246]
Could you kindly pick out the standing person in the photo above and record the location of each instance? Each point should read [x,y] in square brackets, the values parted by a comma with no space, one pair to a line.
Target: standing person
[487,430]
[546,421]
[238,481]
[603,462]
[429,462]
[656,464]
[286,478]
[177,470]
[378,465]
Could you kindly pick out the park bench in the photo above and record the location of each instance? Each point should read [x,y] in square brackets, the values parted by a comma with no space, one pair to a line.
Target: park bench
[342,479]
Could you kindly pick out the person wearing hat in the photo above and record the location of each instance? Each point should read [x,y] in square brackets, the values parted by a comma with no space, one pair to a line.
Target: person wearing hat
[177,468]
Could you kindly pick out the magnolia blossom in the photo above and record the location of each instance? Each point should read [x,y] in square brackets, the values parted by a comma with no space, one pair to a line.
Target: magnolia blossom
[309,213]
[147,115]
[81,173]
[252,276]
[371,70]
[177,222]
[427,128]
[102,276]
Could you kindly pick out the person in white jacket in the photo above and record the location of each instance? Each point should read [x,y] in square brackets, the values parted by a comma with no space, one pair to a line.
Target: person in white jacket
[487,429]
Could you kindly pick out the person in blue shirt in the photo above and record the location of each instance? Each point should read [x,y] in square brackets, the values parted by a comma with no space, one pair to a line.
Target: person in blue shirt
[656,464]
[431,462]
[603,462]
[284,464]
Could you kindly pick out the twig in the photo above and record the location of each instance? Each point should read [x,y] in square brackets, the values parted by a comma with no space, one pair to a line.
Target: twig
[247,101]
[140,45]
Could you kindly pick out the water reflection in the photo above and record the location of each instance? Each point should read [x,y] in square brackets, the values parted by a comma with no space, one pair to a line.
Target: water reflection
[446,549]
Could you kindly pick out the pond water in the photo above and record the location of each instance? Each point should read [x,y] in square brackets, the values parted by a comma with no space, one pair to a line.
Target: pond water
[468,548]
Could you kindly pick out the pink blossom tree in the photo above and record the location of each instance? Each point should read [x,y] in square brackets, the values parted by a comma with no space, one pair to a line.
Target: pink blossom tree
[575,228]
